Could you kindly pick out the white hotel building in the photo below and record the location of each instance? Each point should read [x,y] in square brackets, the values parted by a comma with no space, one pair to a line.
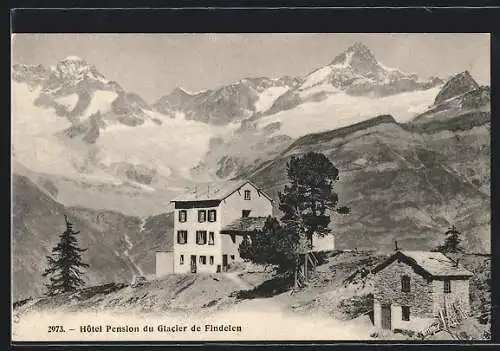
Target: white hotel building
[210,224]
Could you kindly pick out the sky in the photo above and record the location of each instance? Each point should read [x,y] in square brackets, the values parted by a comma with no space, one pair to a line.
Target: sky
[152,65]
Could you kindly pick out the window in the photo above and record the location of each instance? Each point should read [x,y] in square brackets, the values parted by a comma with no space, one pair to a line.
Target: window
[211,259]
[181,259]
[210,238]
[203,259]
[212,215]
[245,213]
[447,286]
[232,257]
[405,283]
[201,237]
[182,236]
[247,194]
[202,216]
[182,215]
[405,313]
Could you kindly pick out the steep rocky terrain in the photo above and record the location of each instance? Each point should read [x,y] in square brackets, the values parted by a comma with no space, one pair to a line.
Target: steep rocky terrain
[460,95]
[402,181]
[72,127]
[119,246]
[356,72]
[227,104]
[80,123]
[76,90]
[352,88]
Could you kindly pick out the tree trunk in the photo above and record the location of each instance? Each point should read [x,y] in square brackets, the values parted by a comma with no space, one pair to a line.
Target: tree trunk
[295,281]
[306,275]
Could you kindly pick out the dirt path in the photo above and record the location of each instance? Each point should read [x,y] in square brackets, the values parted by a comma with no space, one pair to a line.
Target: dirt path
[234,276]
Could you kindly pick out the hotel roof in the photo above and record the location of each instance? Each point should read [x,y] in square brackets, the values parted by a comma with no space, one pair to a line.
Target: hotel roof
[215,191]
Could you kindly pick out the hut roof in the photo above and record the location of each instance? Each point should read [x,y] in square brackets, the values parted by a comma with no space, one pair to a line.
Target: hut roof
[434,264]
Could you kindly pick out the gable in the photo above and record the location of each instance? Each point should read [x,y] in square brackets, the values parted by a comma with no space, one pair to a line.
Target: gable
[255,191]
[392,261]
[442,268]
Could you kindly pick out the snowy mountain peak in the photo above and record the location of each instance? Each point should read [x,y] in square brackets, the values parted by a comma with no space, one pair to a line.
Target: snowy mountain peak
[33,75]
[359,58]
[361,50]
[458,84]
[71,72]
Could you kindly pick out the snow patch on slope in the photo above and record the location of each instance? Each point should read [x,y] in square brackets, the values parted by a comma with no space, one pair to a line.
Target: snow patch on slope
[316,77]
[268,97]
[69,101]
[340,110]
[177,144]
[101,101]
[33,129]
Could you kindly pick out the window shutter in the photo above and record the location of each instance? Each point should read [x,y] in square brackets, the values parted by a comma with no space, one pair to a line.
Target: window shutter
[447,286]
[405,283]
[405,313]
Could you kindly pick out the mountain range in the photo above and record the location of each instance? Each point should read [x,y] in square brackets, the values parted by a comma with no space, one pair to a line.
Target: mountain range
[413,155]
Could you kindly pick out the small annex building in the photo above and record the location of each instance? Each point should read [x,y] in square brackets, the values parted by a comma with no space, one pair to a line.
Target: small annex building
[413,289]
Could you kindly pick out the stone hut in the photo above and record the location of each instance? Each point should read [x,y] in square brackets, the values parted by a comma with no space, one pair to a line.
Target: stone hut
[413,289]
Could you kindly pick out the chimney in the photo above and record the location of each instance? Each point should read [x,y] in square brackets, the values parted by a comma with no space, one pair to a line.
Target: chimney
[208,191]
[396,245]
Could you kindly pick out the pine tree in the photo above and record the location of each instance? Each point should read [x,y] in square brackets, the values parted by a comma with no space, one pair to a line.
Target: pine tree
[452,242]
[309,200]
[307,203]
[64,266]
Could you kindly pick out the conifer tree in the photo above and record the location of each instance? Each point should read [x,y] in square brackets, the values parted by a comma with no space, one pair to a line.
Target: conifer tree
[452,241]
[309,199]
[307,203]
[65,263]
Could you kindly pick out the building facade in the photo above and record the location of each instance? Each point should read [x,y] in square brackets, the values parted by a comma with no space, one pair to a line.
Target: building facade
[164,263]
[414,288]
[200,246]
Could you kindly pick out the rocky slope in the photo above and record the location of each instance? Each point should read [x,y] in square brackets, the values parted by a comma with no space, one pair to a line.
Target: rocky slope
[75,89]
[119,246]
[401,183]
[459,96]
[227,104]
[81,125]
[352,88]
[356,72]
